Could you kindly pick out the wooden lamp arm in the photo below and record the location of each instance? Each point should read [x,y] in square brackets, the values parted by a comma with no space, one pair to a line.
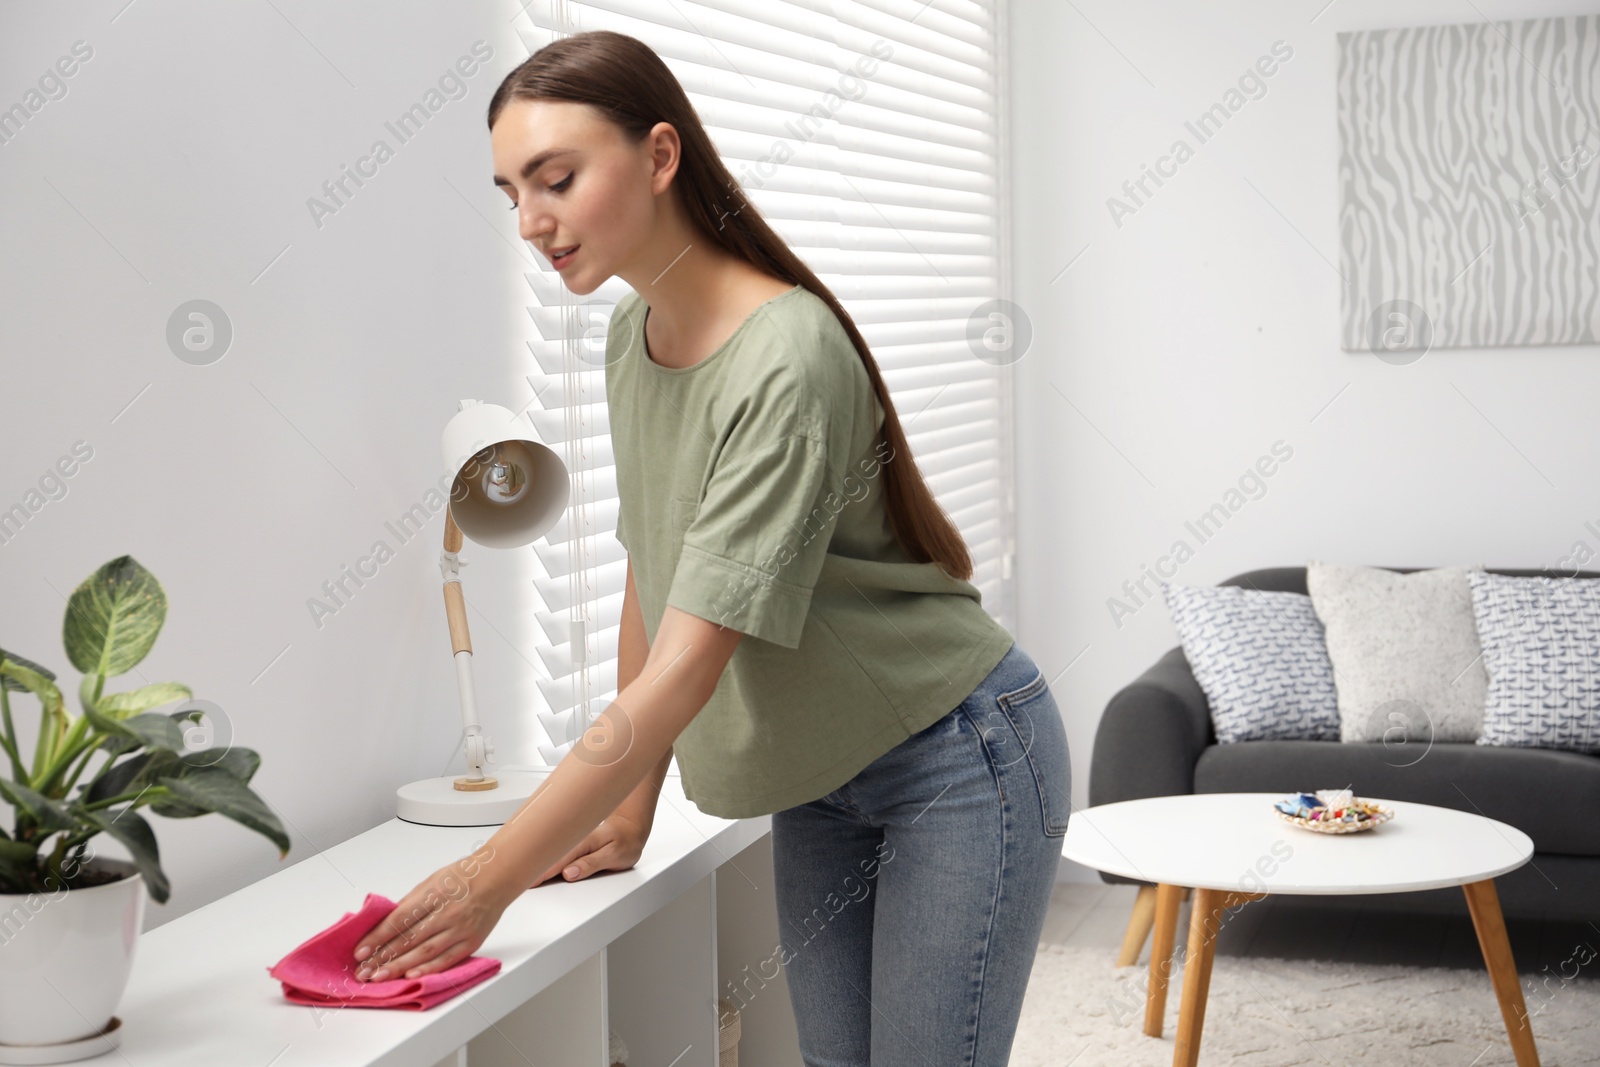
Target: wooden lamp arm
[455,606]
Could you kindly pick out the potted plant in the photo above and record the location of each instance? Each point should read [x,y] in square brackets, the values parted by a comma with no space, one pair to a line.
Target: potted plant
[69,919]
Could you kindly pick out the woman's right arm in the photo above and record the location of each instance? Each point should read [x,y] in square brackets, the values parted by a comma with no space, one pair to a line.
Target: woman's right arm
[619,839]
[632,650]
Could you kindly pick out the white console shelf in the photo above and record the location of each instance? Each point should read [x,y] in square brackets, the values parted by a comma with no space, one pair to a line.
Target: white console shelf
[647,950]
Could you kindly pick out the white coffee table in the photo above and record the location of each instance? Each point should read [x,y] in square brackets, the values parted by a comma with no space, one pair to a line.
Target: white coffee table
[1232,848]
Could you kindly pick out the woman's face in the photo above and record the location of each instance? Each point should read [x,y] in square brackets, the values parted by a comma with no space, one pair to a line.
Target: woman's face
[588,188]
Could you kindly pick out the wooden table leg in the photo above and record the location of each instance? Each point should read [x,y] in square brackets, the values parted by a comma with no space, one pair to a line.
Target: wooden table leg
[1205,915]
[1484,904]
[1166,926]
[1144,913]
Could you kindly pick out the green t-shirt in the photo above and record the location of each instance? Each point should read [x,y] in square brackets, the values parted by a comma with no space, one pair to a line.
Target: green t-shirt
[751,495]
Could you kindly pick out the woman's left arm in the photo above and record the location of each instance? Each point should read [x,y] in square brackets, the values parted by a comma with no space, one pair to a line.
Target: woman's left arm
[452,912]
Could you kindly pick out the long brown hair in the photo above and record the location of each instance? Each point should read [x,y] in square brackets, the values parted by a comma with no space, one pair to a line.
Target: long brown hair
[624,79]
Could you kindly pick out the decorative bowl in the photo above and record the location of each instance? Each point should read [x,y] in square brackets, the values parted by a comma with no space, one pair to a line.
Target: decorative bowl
[1332,811]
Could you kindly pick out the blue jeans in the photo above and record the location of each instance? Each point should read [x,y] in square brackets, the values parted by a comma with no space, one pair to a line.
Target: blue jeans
[911,898]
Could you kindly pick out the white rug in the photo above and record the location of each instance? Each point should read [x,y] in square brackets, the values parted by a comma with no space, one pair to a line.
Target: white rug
[1081,1011]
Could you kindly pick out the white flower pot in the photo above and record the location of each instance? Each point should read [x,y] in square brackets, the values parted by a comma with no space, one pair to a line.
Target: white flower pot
[65,958]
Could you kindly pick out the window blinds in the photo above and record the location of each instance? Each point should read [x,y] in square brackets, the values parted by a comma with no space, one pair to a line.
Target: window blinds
[888,184]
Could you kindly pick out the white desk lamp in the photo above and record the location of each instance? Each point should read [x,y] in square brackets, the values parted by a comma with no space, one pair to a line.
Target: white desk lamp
[506,490]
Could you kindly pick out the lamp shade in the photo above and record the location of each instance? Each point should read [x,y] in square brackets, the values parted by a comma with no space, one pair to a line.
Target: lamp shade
[506,489]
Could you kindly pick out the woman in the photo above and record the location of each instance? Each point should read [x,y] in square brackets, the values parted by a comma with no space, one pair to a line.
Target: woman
[798,624]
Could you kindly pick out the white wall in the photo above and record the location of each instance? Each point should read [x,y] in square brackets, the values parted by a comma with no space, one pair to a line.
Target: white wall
[1178,347]
[178,165]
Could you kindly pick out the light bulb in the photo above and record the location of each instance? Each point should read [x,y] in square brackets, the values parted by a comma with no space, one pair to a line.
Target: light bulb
[499,475]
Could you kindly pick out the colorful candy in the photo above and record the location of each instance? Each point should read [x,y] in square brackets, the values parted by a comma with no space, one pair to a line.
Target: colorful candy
[1327,806]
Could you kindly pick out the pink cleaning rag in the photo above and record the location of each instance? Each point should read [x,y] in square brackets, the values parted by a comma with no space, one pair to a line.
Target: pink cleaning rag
[322,971]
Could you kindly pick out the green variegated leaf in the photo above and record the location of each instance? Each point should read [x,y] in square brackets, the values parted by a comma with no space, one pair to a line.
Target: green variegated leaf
[20,677]
[156,730]
[151,728]
[113,618]
[130,828]
[129,775]
[118,744]
[112,728]
[219,791]
[239,762]
[121,705]
[114,778]
[148,767]
[15,686]
[177,809]
[48,814]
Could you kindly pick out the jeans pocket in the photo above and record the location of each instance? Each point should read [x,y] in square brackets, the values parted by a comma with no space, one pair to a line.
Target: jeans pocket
[1034,718]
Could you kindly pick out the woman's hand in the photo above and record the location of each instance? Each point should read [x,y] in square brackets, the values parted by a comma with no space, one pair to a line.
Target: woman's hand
[438,924]
[614,845]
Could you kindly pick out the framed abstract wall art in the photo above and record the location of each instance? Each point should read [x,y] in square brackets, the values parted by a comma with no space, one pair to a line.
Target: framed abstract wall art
[1469,187]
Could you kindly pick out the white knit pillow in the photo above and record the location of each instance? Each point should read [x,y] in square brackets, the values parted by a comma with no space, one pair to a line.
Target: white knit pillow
[1404,649]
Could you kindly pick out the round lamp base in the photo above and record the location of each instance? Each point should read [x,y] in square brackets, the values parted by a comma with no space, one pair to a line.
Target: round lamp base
[437,801]
[65,1051]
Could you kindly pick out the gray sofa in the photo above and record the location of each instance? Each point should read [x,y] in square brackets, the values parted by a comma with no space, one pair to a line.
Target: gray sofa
[1156,739]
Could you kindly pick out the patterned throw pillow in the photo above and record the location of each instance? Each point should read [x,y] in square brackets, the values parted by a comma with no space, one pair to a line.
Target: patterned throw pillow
[1541,646]
[1260,659]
